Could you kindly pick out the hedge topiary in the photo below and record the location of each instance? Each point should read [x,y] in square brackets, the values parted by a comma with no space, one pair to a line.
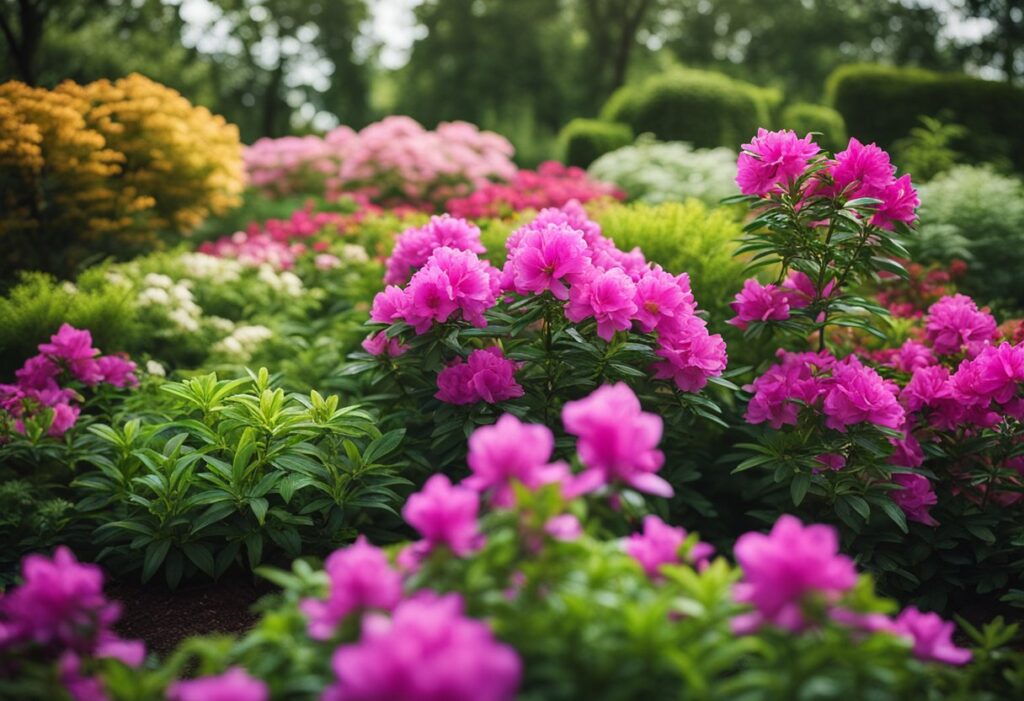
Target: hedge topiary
[700,107]
[583,141]
[803,117]
[989,110]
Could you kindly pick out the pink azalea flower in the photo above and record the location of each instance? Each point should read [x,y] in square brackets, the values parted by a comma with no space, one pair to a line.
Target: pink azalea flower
[782,569]
[414,246]
[780,393]
[912,356]
[548,258]
[79,686]
[690,355]
[38,372]
[64,417]
[427,649]
[773,159]
[757,302]
[444,514]
[616,440]
[899,204]
[511,451]
[858,394]
[360,579]
[801,290]
[389,305]
[488,376]
[74,348]
[455,384]
[999,372]
[932,637]
[915,496]
[233,685]
[662,299]
[608,297]
[564,527]
[451,280]
[660,544]
[379,344]
[117,371]
[862,171]
[955,324]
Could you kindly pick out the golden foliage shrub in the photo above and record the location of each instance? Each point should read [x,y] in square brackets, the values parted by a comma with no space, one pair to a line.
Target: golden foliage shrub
[107,168]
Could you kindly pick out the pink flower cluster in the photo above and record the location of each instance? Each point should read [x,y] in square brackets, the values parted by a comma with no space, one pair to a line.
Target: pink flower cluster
[551,185]
[956,325]
[452,283]
[295,164]
[233,685]
[844,392]
[279,242]
[426,649]
[662,544]
[797,569]
[414,246]
[562,252]
[59,612]
[773,161]
[760,303]
[487,376]
[68,356]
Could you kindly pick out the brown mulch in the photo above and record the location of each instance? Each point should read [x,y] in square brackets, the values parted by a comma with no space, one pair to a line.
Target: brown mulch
[164,618]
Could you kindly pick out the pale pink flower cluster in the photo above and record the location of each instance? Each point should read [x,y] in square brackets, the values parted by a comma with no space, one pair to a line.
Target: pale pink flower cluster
[295,164]
[661,544]
[42,382]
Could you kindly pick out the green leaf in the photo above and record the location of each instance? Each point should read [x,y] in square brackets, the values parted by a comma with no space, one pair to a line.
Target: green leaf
[156,551]
[798,487]
[383,445]
[259,507]
[201,557]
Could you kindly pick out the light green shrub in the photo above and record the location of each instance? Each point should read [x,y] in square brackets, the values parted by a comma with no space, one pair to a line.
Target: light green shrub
[803,117]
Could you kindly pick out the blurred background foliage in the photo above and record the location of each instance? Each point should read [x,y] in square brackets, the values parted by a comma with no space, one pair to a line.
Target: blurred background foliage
[522,67]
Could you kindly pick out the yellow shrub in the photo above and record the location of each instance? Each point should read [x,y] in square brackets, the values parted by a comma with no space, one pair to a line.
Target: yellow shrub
[106,167]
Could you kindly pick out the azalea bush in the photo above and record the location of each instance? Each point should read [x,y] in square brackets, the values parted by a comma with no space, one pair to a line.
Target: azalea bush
[511,591]
[454,337]
[875,440]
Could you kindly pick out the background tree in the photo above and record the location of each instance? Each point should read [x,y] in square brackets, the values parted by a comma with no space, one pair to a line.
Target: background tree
[1003,44]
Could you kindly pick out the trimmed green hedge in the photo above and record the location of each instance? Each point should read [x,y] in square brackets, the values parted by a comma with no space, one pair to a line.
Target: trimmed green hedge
[803,117]
[883,104]
[700,107]
[583,141]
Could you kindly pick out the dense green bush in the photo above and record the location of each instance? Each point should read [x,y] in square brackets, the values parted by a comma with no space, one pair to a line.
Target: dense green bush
[582,141]
[803,117]
[928,150]
[703,108]
[654,171]
[976,214]
[683,237]
[989,110]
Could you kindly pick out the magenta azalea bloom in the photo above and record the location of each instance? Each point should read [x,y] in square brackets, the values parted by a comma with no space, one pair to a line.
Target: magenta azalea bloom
[663,300]
[955,325]
[862,171]
[64,417]
[414,246]
[782,569]
[757,302]
[660,544]
[360,579]
[859,394]
[511,451]
[773,159]
[911,356]
[427,649]
[617,440]
[899,204]
[117,371]
[389,306]
[784,389]
[60,603]
[690,355]
[234,685]
[608,297]
[38,372]
[932,637]
[451,280]
[445,515]
[801,290]
[915,496]
[74,348]
[547,259]
[379,344]
[999,372]
[488,376]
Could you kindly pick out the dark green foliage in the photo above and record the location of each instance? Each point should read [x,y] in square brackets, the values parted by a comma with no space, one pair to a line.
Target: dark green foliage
[583,141]
[703,108]
[803,117]
[884,104]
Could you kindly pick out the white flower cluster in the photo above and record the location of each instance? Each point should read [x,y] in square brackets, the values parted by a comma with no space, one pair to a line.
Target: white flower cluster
[206,267]
[354,253]
[175,297]
[285,281]
[242,342]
